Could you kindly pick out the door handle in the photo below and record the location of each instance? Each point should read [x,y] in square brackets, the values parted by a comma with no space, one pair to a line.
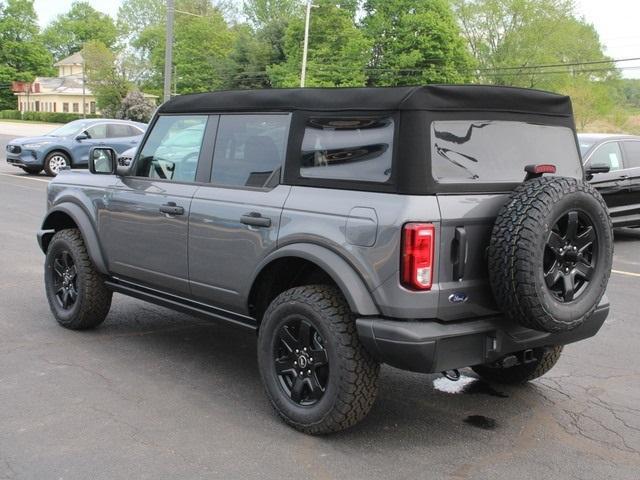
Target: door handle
[172,209]
[255,219]
[459,253]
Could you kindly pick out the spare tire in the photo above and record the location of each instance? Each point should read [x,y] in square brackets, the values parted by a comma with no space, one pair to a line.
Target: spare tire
[550,253]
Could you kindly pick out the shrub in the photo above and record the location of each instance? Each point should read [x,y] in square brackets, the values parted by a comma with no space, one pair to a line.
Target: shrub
[53,117]
[10,115]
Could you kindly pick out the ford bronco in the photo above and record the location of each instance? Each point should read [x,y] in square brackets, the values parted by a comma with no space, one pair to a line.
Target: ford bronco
[428,228]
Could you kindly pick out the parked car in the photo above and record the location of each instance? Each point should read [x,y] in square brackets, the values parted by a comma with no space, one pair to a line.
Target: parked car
[69,145]
[620,186]
[422,227]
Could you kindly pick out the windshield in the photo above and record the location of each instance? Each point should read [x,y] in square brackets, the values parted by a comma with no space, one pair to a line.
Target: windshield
[585,145]
[69,129]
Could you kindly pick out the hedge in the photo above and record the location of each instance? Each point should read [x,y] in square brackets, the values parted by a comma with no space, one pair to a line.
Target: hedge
[10,115]
[48,117]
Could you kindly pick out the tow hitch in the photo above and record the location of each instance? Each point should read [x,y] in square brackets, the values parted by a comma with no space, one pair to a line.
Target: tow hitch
[453,375]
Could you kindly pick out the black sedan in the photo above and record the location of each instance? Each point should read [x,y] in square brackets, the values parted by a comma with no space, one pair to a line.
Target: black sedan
[620,185]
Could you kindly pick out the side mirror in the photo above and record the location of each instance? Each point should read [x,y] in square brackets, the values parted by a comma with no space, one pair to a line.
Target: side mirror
[82,136]
[598,168]
[102,160]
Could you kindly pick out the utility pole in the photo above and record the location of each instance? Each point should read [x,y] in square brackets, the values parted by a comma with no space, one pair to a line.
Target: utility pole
[305,50]
[168,51]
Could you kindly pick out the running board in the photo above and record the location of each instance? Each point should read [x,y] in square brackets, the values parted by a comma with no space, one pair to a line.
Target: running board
[178,303]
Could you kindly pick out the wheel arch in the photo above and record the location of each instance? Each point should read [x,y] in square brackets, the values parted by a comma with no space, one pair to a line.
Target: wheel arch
[69,215]
[60,149]
[297,264]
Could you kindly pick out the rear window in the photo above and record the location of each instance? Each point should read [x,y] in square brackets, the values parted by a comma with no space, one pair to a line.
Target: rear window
[348,148]
[465,151]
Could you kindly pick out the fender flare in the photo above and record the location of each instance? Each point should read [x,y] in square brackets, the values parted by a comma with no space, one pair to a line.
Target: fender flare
[86,227]
[343,274]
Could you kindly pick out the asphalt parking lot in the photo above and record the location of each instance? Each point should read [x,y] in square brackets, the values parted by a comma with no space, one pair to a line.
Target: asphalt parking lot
[161,395]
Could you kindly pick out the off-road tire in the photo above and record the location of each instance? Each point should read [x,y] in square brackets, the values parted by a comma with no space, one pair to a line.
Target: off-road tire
[31,170]
[48,168]
[546,359]
[353,374]
[517,249]
[93,297]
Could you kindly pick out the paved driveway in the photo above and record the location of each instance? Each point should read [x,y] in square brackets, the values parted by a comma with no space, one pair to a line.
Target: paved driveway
[154,394]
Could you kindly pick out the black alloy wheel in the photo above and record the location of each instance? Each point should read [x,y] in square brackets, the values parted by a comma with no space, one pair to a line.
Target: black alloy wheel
[65,277]
[301,361]
[570,256]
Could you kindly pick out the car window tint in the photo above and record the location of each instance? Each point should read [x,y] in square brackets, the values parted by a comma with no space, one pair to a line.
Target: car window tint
[632,157]
[342,148]
[118,130]
[608,154]
[250,149]
[172,149]
[97,132]
[492,151]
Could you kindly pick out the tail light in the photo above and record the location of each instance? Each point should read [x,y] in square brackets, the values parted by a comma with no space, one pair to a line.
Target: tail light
[418,241]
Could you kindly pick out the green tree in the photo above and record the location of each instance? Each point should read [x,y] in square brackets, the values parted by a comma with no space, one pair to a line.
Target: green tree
[591,100]
[202,43]
[69,32]
[22,53]
[509,37]
[104,78]
[338,51]
[415,43]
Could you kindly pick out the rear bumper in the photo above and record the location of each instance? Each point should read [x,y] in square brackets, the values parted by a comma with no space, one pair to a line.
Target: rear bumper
[430,346]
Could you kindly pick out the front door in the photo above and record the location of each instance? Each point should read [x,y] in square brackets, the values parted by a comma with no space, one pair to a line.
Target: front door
[146,220]
[632,162]
[234,221]
[613,186]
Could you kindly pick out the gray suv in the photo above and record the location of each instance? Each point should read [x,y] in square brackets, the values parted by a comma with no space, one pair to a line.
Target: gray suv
[429,228]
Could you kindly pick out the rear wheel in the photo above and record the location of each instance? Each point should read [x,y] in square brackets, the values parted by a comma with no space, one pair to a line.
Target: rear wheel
[545,360]
[76,292]
[54,162]
[32,170]
[317,375]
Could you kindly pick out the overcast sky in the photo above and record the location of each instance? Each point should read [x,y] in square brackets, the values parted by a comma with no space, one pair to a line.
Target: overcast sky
[615,20]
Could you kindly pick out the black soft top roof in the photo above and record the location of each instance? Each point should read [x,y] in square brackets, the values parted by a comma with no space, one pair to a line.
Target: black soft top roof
[433,97]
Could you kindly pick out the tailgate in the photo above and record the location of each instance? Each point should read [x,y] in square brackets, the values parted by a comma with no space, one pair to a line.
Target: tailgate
[467,221]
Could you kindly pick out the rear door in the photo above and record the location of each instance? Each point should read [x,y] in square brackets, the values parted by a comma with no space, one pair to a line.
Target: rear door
[234,220]
[121,136]
[489,155]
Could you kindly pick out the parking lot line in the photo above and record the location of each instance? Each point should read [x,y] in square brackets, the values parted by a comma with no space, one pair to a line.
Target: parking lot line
[24,177]
[629,274]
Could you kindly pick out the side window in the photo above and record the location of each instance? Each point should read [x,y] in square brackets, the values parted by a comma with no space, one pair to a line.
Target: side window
[172,149]
[118,130]
[342,148]
[608,154]
[632,151]
[250,149]
[97,132]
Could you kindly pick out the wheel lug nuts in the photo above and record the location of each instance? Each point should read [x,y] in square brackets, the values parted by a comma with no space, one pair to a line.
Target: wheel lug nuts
[311,359]
[308,372]
[295,363]
[297,351]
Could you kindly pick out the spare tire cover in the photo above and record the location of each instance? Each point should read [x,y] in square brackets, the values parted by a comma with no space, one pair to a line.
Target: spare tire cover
[550,253]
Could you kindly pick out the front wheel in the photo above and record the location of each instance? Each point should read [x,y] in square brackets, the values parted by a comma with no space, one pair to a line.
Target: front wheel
[317,375]
[76,292]
[544,360]
[54,162]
